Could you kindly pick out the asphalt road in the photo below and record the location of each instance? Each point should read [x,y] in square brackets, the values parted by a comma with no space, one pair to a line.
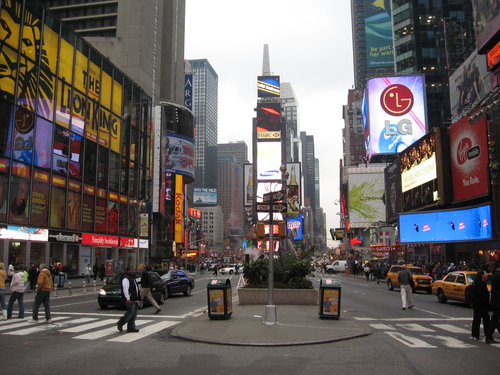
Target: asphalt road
[431,338]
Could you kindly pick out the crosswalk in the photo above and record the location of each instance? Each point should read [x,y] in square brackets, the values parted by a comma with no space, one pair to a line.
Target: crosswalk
[88,327]
[430,334]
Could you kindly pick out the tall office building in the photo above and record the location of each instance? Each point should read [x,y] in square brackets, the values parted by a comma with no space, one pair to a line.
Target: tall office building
[310,185]
[205,108]
[144,38]
[237,149]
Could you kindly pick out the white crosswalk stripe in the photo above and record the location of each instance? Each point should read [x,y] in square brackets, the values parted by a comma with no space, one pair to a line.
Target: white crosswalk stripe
[412,342]
[88,328]
[452,328]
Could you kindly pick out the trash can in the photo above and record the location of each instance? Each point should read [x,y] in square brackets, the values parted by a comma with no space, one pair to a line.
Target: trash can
[329,298]
[220,298]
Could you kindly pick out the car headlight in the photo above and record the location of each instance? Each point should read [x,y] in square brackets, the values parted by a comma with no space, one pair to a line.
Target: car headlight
[102,292]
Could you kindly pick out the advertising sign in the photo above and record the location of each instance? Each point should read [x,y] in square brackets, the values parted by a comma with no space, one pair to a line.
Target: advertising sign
[366,190]
[268,121]
[293,188]
[487,21]
[188,91]
[392,181]
[24,233]
[396,115]
[268,161]
[179,209]
[268,86]
[330,300]
[469,158]
[294,227]
[468,224]
[179,154]
[249,194]
[205,197]
[378,29]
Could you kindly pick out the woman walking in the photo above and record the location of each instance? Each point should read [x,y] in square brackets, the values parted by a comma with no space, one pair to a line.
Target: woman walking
[480,304]
[17,289]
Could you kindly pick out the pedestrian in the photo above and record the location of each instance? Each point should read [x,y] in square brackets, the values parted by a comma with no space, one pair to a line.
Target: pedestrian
[147,286]
[215,271]
[495,304]
[202,269]
[102,272]
[33,276]
[480,304]
[132,296]
[95,269]
[17,292]
[43,289]
[11,270]
[404,277]
[87,272]
[366,270]
[3,276]
[377,272]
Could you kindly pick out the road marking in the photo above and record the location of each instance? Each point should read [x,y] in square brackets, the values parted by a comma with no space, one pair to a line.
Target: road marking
[87,327]
[451,328]
[413,319]
[107,332]
[412,342]
[30,327]
[383,327]
[415,327]
[143,332]
[451,342]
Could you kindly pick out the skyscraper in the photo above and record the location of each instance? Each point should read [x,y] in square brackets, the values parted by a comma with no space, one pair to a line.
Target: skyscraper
[205,108]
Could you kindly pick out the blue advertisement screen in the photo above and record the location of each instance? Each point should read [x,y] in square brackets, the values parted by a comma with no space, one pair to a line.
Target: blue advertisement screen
[294,227]
[444,226]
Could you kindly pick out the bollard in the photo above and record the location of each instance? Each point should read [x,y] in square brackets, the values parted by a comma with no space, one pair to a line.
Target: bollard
[70,291]
[94,285]
[55,291]
[84,289]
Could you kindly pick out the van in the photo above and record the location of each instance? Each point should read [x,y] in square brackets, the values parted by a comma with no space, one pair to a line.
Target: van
[337,266]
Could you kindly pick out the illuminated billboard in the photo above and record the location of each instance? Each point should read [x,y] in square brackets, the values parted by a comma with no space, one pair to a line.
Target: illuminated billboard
[249,194]
[469,158]
[179,152]
[468,224]
[268,121]
[469,84]
[396,115]
[378,29]
[423,178]
[268,86]
[294,227]
[392,195]
[268,161]
[365,198]
[487,22]
[293,186]
[205,197]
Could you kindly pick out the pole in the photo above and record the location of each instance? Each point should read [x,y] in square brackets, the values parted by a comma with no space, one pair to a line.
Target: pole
[270,316]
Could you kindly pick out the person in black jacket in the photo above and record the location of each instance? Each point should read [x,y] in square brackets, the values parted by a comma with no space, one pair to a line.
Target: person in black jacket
[147,286]
[480,304]
[495,304]
[131,296]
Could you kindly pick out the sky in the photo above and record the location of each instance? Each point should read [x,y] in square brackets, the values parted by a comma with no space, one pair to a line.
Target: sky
[310,46]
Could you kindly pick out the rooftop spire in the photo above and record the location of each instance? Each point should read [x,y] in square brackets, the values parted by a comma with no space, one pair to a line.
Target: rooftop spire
[266,69]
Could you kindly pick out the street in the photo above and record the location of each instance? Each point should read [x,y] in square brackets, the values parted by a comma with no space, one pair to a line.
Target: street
[430,338]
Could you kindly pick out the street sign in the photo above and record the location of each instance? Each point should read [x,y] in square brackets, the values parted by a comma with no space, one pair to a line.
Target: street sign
[276,196]
[266,207]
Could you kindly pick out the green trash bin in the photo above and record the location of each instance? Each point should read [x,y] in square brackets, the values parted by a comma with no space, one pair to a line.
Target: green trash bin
[220,298]
[329,298]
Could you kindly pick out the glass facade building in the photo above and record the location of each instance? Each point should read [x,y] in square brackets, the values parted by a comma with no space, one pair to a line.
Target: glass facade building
[75,148]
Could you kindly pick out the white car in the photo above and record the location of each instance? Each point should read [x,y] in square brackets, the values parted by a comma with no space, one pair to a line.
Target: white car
[231,269]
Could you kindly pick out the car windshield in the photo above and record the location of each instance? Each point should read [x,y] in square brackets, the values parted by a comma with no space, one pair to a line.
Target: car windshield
[116,280]
[416,271]
[167,276]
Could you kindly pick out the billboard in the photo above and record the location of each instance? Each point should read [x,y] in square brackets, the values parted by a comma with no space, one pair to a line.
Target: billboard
[205,197]
[188,91]
[268,161]
[268,86]
[396,115]
[249,194]
[469,158]
[293,188]
[392,193]
[179,152]
[487,23]
[268,121]
[365,198]
[468,224]
[469,84]
[294,227]
[378,29]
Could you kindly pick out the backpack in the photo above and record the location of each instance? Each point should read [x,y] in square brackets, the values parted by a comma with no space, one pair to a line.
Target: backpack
[470,293]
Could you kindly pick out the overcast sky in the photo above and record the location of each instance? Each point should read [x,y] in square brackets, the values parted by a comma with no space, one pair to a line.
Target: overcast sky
[310,46]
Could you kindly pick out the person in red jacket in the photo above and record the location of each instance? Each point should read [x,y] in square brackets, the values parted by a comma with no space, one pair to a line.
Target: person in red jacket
[43,289]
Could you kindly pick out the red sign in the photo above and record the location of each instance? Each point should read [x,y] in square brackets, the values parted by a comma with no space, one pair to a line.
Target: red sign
[99,240]
[397,100]
[128,242]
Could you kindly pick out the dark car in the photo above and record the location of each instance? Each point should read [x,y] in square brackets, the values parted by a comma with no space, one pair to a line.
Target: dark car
[111,293]
[177,282]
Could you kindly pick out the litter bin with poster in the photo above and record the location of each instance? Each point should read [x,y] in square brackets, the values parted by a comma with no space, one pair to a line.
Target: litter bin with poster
[329,298]
[220,298]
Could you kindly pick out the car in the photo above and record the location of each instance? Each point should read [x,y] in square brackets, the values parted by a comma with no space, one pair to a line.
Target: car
[231,269]
[111,293]
[176,281]
[422,281]
[453,285]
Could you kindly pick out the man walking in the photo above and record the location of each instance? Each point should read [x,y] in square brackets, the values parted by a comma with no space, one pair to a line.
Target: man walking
[495,304]
[130,292]
[406,290]
[147,287]
[43,289]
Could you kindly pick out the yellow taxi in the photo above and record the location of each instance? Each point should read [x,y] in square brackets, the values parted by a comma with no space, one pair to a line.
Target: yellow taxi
[453,285]
[422,281]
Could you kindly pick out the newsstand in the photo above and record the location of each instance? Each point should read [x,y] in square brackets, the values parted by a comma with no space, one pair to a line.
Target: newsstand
[220,298]
[329,298]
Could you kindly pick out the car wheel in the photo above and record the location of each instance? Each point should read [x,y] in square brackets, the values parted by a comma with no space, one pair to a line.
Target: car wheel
[329,271]
[162,298]
[441,297]
[231,272]
[103,306]
[389,285]
[188,291]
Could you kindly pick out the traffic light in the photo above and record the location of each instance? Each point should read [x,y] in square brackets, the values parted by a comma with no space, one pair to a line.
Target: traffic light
[282,229]
[261,229]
